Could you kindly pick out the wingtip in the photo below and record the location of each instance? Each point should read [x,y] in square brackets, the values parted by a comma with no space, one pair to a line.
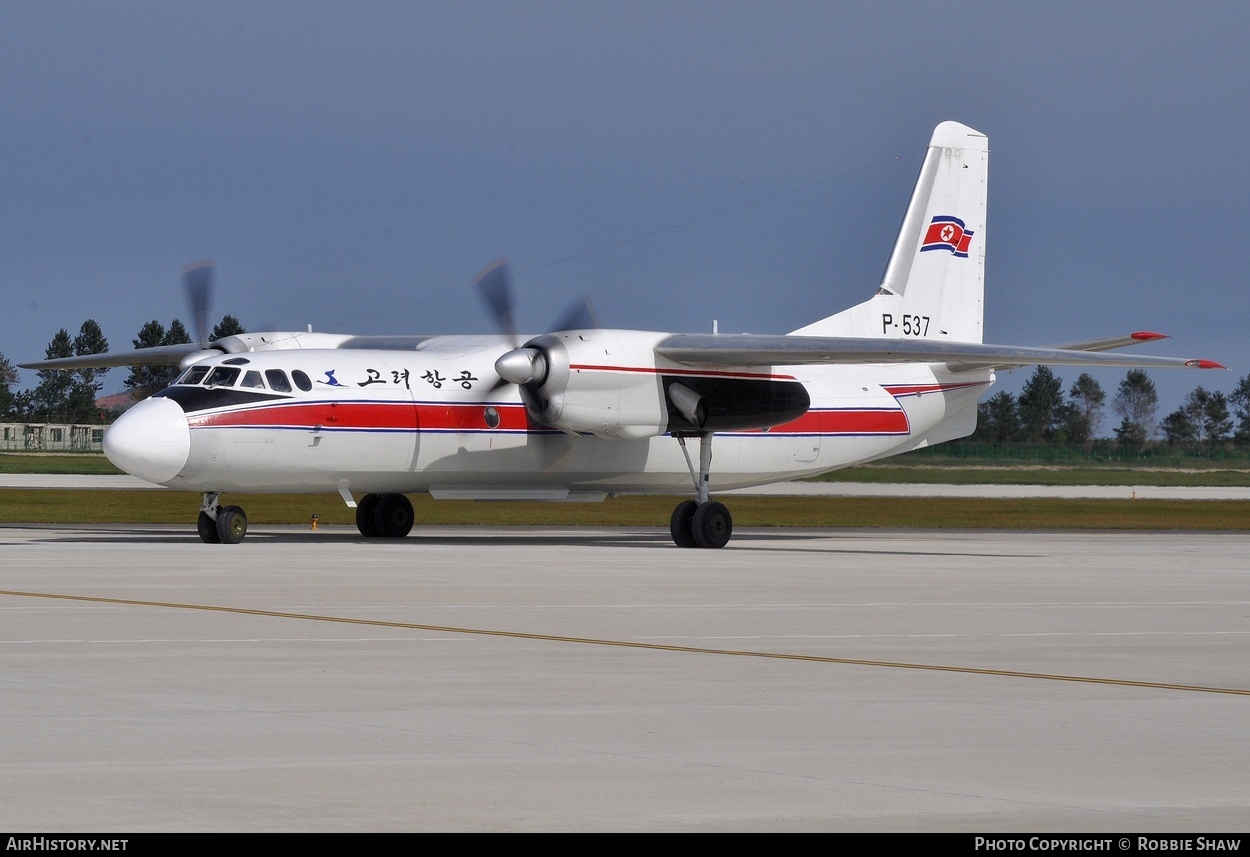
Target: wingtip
[1148,336]
[1204,364]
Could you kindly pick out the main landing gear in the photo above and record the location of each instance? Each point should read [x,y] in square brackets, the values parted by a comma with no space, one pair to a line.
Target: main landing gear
[226,525]
[700,522]
[387,516]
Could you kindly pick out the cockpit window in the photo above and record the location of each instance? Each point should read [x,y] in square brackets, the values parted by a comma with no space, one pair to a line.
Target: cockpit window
[251,379]
[301,380]
[194,375]
[222,376]
[277,381]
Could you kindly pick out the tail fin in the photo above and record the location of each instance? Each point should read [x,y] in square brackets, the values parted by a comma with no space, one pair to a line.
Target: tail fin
[934,283]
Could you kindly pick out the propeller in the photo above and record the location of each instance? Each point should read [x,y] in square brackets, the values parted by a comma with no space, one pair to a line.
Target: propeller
[197,277]
[524,365]
[494,284]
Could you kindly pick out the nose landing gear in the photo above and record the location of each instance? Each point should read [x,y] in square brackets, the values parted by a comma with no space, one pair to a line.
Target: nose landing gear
[220,524]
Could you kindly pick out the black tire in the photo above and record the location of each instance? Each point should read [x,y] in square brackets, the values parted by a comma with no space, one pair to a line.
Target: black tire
[680,524]
[393,517]
[231,525]
[365,521]
[208,529]
[712,525]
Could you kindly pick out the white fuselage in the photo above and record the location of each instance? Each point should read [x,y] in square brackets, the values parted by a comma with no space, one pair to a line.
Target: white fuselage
[437,419]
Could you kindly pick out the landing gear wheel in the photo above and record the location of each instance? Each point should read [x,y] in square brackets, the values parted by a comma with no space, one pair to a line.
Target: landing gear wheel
[680,524]
[208,529]
[365,510]
[712,525]
[393,517]
[231,525]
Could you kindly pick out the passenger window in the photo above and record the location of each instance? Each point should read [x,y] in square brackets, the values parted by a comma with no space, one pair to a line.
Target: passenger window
[194,375]
[222,376]
[277,380]
[252,379]
[301,380]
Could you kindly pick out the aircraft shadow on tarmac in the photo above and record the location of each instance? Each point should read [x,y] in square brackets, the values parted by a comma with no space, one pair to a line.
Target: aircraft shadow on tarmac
[788,540]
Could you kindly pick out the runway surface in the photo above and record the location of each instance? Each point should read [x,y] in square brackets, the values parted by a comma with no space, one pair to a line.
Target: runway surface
[487,679]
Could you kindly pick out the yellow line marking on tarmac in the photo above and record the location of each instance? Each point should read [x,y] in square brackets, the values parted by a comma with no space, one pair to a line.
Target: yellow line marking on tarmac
[626,644]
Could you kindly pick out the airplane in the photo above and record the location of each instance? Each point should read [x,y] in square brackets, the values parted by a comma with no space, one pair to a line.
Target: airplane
[582,412]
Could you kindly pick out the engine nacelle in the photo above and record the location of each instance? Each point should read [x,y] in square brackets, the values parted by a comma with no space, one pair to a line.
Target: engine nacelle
[598,381]
[607,383]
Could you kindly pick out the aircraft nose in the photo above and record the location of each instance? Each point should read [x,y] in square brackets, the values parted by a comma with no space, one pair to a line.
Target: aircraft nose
[151,440]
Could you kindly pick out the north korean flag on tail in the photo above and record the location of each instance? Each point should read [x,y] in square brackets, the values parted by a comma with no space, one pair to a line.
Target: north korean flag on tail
[947,233]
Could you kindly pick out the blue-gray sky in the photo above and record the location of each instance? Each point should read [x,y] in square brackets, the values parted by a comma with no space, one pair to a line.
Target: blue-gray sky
[353,165]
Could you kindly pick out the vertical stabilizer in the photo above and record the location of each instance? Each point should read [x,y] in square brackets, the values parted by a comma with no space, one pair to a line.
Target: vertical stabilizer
[934,283]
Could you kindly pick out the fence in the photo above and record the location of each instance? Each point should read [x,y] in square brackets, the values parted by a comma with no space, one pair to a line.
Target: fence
[51,437]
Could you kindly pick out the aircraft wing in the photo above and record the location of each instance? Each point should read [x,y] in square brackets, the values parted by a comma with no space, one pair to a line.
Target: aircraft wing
[173,355]
[158,355]
[744,349]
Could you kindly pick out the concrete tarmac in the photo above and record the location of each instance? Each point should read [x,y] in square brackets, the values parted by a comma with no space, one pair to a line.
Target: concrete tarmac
[493,679]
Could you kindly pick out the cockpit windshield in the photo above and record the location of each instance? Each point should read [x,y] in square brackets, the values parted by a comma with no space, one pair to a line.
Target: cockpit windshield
[252,379]
[194,375]
[222,376]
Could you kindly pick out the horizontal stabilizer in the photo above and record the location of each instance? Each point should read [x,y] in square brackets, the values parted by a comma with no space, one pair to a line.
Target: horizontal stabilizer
[1111,342]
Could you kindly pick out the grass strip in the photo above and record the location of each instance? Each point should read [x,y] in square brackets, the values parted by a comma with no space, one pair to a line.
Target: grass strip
[65,506]
[77,463]
[1022,474]
[965,472]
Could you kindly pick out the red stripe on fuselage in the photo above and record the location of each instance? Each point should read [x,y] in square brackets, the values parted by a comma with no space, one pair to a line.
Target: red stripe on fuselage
[407,416]
[367,416]
[868,421]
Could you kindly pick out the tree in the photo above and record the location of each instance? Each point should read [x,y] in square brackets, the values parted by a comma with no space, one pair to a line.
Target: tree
[176,335]
[87,383]
[68,395]
[1136,401]
[1129,434]
[8,380]
[1217,422]
[143,381]
[1240,400]
[229,326]
[1040,405]
[1084,420]
[50,399]
[1072,425]
[1203,418]
[997,419]
[1179,426]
